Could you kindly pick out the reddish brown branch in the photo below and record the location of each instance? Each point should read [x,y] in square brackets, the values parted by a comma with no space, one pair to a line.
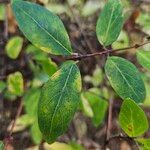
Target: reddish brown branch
[4,1]
[105,51]
[9,138]
[109,123]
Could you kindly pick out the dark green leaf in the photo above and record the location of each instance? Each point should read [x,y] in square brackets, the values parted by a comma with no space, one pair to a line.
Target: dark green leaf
[144,58]
[110,22]
[132,119]
[125,79]
[59,101]
[41,27]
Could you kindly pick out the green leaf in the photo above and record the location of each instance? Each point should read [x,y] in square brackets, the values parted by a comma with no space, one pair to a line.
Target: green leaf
[76,146]
[15,83]
[58,8]
[130,117]
[57,146]
[14,47]
[110,22]
[59,101]
[41,27]
[86,107]
[63,146]
[1,145]
[2,86]
[96,78]
[2,12]
[99,107]
[31,99]
[90,8]
[21,123]
[125,79]
[48,66]
[42,59]
[36,133]
[143,58]
[122,41]
[145,143]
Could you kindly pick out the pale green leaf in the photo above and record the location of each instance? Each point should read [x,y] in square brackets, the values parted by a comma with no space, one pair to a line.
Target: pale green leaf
[2,12]
[36,134]
[110,22]
[122,41]
[57,8]
[99,107]
[57,146]
[41,27]
[145,143]
[31,99]
[59,101]
[42,59]
[125,79]
[132,119]
[22,122]
[86,107]
[90,8]
[76,146]
[15,83]
[14,47]
[143,58]
[1,145]
[63,146]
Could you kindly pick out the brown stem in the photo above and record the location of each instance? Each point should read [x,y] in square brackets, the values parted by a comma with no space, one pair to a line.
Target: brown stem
[13,125]
[109,123]
[4,1]
[105,51]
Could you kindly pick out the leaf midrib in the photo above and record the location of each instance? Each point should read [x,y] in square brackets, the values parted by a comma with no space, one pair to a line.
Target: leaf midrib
[44,30]
[53,115]
[109,24]
[125,79]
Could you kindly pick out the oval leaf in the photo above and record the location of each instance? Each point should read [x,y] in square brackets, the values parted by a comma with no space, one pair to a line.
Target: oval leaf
[144,58]
[15,83]
[59,101]
[110,22]
[14,47]
[130,117]
[99,107]
[125,79]
[41,27]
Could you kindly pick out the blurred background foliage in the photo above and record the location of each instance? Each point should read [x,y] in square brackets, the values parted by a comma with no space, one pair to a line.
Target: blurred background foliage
[24,69]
